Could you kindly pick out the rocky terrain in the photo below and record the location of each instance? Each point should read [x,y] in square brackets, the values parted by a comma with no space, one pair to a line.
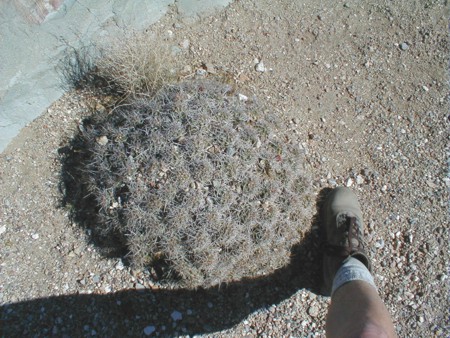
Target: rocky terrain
[367,83]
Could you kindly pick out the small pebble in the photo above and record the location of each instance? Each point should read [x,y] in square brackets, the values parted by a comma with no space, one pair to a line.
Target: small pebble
[379,244]
[359,180]
[210,68]
[176,315]
[442,277]
[201,72]
[100,108]
[120,266]
[139,286]
[242,97]
[2,229]
[187,69]
[35,236]
[404,46]
[185,44]
[102,140]
[349,183]
[148,330]
[260,67]
[175,50]
[96,279]
[313,310]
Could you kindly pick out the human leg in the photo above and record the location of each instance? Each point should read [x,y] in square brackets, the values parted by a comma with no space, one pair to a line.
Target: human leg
[356,309]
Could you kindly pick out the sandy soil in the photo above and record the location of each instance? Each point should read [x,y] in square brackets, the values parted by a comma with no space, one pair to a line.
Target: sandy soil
[367,83]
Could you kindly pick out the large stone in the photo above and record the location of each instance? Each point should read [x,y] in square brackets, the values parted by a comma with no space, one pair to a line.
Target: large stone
[35,33]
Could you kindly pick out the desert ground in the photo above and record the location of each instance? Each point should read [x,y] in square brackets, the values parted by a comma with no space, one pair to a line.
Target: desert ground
[367,85]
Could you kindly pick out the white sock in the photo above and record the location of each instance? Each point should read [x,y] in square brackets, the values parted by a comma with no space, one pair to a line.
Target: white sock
[352,269]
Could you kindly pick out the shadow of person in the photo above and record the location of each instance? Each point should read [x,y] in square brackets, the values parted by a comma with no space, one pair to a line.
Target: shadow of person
[128,312]
[171,312]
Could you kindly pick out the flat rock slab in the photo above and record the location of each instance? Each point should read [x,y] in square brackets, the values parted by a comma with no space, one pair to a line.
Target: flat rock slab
[35,33]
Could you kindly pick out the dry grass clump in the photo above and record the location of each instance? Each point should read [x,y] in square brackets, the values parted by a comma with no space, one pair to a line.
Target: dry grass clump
[135,65]
[131,65]
[199,179]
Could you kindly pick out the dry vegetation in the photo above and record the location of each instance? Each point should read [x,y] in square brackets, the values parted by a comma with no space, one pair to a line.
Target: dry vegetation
[191,178]
[135,65]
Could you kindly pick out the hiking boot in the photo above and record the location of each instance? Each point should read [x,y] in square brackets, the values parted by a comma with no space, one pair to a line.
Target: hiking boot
[342,229]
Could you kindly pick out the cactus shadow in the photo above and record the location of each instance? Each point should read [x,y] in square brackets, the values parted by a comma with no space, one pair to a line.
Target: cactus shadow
[126,313]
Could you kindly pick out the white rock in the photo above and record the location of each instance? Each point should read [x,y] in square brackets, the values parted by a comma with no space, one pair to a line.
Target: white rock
[176,315]
[148,330]
[2,229]
[425,88]
[102,140]
[242,97]
[349,182]
[120,266]
[35,236]
[260,67]
[359,179]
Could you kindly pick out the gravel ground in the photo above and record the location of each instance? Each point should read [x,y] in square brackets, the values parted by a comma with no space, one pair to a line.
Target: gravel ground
[368,86]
